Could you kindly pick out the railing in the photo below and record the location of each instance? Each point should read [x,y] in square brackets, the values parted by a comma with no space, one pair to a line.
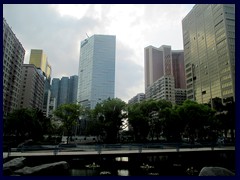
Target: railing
[114,147]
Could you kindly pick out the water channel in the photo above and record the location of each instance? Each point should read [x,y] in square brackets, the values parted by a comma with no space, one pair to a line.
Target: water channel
[172,163]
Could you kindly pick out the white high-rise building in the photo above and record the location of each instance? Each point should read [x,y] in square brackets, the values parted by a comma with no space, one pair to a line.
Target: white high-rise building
[96,70]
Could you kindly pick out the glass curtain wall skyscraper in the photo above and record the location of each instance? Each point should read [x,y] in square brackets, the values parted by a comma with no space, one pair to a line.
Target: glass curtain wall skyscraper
[209,52]
[64,90]
[96,70]
[73,85]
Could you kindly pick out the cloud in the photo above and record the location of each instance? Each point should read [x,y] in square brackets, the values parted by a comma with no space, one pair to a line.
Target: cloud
[59,36]
[129,75]
[59,29]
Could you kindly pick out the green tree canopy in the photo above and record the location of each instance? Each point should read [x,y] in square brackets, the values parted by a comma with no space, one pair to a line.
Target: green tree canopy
[195,117]
[144,118]
[69,114]
[138,121]
[111,114]
[26,124]
[172,124]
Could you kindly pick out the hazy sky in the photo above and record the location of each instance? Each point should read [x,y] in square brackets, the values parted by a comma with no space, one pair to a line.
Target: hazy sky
[59,29]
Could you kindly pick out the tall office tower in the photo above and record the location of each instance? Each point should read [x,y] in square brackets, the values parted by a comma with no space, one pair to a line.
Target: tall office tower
[63,91]
[163,73]
[73,87]
[179,76]
[32,87]
[39,59]
[55,89]
[96,70]
[13,57]
[178,69]
[209,50]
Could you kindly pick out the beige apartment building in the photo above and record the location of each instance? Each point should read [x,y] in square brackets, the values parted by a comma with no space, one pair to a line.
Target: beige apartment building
[13,57]
[32,87]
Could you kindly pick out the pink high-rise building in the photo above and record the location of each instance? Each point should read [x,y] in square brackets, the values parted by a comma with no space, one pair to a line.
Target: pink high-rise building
[164,74]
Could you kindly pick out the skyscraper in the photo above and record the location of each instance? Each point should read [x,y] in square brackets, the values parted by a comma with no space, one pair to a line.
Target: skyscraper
[96,70]
[73,87]
[32,87]
[164,73]
[55,89]
[64,90]
[39,59]
[13,57]
[209,50]
[178,68]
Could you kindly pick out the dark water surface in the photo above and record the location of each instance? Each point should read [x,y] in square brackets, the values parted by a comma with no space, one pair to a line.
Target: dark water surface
[177,164]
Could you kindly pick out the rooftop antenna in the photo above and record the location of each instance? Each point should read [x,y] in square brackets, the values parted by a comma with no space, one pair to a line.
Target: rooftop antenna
[87,35]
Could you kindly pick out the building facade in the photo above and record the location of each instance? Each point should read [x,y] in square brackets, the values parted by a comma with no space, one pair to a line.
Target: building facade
[13,58]
[55,89]
[40,60]
[73,87]
[163,88]
[164,73]
[32,87]
[137,99]
[209,51]
[96,70]
[64,90]
[178,69]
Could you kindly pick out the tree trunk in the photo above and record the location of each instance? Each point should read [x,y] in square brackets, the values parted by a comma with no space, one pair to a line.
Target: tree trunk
[232,134]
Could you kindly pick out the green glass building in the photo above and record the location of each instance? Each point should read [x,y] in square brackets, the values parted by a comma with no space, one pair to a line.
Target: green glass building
[209,52]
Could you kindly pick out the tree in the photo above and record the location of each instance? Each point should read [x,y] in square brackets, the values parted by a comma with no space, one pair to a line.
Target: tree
[216,103]
[225,116]
[172,124]
[145,118]
[44,121]
[111,114]
[138,122]
[69,114]
[95,125]
[230,107]
[25,124]
[196,118]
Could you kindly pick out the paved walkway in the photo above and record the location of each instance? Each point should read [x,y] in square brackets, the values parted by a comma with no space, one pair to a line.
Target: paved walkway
[105,152]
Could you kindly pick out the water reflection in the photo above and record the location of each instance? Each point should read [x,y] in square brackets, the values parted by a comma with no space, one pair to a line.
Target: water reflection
[146,165]
[123,172]
[105,173]
[93,165]
[84,172]
[121,159]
